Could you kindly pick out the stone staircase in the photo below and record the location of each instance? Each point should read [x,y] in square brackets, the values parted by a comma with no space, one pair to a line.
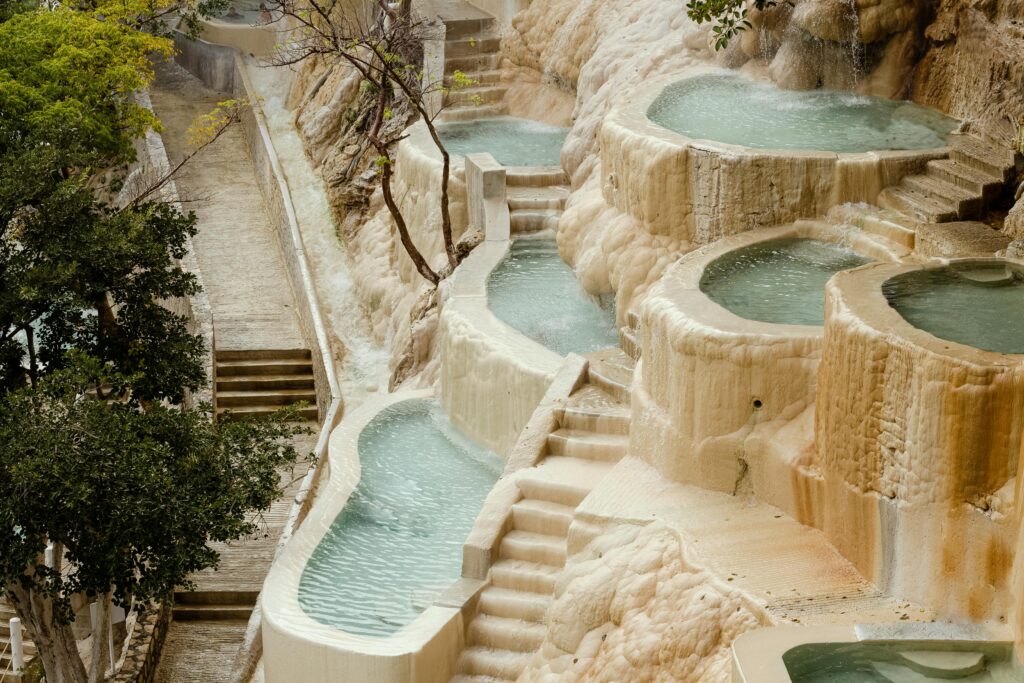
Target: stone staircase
[592,435]
[6,661]
[959,188]
[471,47]
[629,336]
[536,198]
[214,605]
[258,382]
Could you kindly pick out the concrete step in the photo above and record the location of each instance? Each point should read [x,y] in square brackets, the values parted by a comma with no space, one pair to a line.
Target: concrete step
[968,204]
[464,28]
[526,221]
[892,226]
[212,612]
[591,409]
[249,368]
[542,517]
[463,46]
[535,176]
[471,112]
[512,604]
[501,664]
[967,177]
[611,380]
[588,445]
[506,634]
[537,198]
[478,78]
[473,678]
[309,413]
[971,151]
[915,205]
[475,96]
[274,397]
[216,597]
[629,343]
[562,480]
[467,63]
[533,547]
[524,576]
[262,354]
[264,382]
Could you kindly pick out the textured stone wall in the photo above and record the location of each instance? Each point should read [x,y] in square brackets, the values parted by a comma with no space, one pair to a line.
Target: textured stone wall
[144,645]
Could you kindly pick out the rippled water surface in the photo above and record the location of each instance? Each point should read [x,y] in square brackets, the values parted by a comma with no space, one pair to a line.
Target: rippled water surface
[778,281]
[537,293]
[731,109]
[977,305]
[511,141]
[397,544]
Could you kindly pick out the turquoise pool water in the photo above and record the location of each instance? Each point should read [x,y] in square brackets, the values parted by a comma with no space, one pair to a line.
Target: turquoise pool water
[778,281]
[511,141]
[397,544]
[536,292]
[901,662]
[731,109]
[972,304]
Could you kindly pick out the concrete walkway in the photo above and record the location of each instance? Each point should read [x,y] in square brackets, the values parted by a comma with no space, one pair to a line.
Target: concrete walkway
[242,268]
[253,309]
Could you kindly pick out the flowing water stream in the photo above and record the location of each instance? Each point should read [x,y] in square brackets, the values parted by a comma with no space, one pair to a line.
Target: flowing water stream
[365,366]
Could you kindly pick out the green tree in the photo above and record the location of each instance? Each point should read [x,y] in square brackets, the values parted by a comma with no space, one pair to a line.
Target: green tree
[728,17]
[128,499]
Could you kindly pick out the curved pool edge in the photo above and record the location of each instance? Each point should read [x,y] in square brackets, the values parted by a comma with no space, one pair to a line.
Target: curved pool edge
[700,190]
[492,376]
[689,341]
[296,647]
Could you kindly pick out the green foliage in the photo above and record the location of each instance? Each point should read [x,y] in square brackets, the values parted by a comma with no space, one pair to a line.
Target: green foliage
[134,496]
[65,78]
[729,16]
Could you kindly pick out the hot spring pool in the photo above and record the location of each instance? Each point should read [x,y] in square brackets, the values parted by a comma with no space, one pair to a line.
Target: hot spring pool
[900,662]
[979,305]
[731,109]
[778,281]
[511,141]
[397,544]
[536,292]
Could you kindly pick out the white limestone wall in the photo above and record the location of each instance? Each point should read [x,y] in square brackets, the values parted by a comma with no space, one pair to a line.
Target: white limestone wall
[492,376]
[918,442]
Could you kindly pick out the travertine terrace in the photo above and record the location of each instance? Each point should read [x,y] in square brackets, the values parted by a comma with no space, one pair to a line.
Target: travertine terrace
[714,475]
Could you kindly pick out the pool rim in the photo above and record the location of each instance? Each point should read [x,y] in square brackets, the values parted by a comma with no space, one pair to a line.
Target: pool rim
[862,292]
[633,114]
[284,619]
[701,308]
[757,654]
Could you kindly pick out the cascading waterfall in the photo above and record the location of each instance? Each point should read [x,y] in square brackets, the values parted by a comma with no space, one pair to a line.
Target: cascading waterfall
[365,364]
[856,49]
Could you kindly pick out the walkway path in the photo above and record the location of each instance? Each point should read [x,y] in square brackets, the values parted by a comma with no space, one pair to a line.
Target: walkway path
[253,310]
[238,255]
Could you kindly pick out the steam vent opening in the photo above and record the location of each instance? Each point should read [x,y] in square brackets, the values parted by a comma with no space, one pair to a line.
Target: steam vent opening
[978,304]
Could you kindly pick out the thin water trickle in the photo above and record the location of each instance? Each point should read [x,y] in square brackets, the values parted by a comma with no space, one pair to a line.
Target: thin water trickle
[731,109]
[972,304]
[537,293]
[778,281]
[365,365]
[510,140]
[397,544]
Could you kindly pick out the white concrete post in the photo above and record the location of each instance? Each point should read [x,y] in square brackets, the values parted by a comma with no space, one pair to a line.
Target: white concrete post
[17,646]
[487,197]
[48,555]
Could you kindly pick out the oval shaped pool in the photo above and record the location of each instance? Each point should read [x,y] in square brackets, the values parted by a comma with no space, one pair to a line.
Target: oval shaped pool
[778,281]
[734,110]
[397,544]
[537,293]
[901,662]
[511,141]
[977,304]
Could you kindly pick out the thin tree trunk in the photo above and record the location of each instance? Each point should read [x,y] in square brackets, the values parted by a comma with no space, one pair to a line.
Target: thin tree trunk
[100,649]
[33,362]
[446,216]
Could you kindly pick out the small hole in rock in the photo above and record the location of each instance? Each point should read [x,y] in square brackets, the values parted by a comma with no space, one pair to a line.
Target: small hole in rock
[757,404]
